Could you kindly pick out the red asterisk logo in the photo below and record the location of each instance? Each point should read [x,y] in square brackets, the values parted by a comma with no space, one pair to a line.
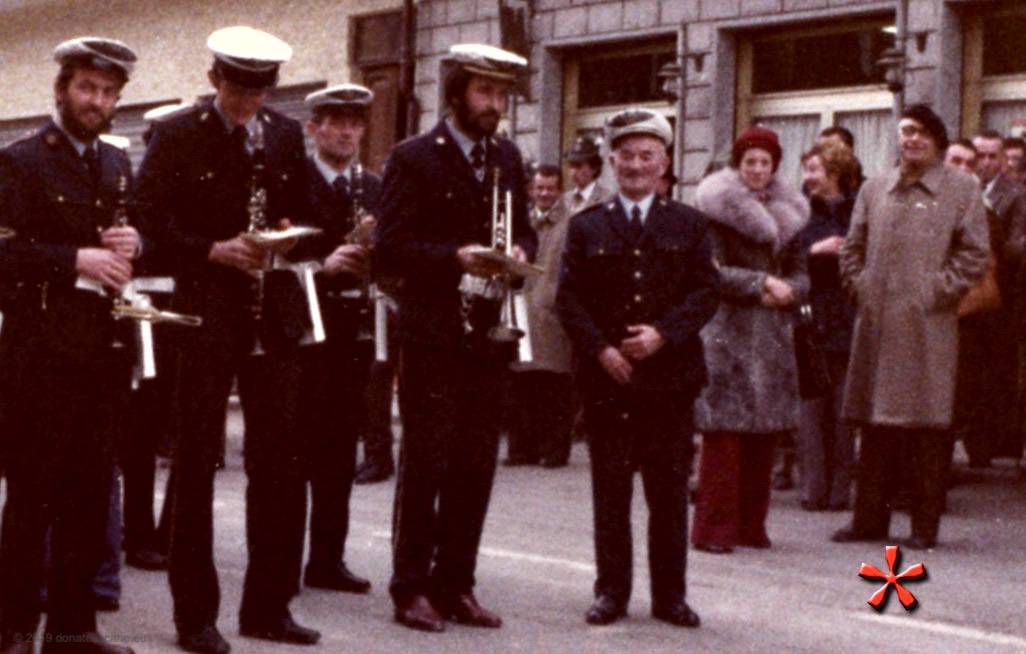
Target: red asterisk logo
[914,573]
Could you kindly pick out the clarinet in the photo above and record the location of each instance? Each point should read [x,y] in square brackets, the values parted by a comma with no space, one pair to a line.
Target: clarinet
[257,209]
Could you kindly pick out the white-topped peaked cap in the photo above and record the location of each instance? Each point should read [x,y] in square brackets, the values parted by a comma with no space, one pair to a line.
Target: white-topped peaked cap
[120,142]
[164,110]
[637,120]
[487,60]
[247,56]
[98,51]
[341,95]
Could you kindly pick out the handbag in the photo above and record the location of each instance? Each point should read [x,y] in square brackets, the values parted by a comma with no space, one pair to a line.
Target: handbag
[814,378]
[985,296]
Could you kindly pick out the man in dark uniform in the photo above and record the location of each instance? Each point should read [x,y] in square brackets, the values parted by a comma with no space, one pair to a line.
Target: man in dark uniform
[200,187]
[638,283]
[345,198]
[436,205]
[63,381]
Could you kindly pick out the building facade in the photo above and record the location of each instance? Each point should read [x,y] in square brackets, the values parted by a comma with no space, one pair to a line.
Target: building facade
[793,65]
[333,41]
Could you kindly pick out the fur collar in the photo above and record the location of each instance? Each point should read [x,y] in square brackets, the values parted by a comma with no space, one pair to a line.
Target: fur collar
[777,219]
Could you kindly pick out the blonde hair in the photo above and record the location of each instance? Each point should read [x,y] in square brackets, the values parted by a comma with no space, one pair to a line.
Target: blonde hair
[838,161]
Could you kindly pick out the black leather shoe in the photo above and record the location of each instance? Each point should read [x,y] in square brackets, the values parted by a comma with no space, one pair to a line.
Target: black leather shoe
[416,612]
[513,461]
[553,463]
[282,630]
[763,543]
[338,578]
[677,613]
[714,548]
[849,535]
[146,560]
[87,643]
[373,472]
[464,609]
[917,542]
[207,640]
[605,610]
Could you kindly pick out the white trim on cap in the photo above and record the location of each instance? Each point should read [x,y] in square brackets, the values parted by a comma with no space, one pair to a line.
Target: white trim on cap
[164,110]
[249,48]
[360,95]
[483,51]
[80,46]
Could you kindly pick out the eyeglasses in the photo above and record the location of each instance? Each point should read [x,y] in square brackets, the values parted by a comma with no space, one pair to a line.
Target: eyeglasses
[908,130]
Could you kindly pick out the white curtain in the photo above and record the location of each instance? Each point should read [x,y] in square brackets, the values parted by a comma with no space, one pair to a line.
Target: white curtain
[875,138]
[1000,115]
[797,134]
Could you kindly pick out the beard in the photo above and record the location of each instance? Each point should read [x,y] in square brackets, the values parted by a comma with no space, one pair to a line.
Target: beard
[76,126]
[477,124]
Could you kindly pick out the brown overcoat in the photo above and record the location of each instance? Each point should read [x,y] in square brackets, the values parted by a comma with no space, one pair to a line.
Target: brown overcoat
[550,345]
[912,252]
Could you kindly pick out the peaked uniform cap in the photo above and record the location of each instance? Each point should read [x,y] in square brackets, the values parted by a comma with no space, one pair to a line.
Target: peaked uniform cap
[637,120]
[164,110]
[341,95]
[98,51]
[584,148]
[487,60]
[248,57]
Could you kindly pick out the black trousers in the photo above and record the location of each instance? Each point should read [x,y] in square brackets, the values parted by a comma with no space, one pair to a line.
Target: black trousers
[332,409]
[59,446]
[889,458]
[269,386]
[151,424]
[650,433]
[377,430]
[447,462]
[543,416]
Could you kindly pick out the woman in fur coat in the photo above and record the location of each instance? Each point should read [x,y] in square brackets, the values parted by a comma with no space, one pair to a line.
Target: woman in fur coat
[752,393]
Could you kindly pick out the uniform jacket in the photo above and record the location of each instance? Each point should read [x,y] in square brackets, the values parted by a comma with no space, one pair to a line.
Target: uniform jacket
[194,188]
[431,205]
[666,280]
[48,197]
[911,253]
[333,212]
[550,345]
[749,348]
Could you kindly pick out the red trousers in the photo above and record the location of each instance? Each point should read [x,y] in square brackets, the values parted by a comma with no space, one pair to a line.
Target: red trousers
[733,489]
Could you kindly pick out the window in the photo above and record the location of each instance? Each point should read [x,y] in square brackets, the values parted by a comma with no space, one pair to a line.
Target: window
[993,70]
[629,79]
[799,81]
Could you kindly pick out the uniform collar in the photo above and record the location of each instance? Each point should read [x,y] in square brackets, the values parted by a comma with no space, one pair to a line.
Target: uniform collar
[587,191]
[331,173]
[644,204]
[229,125]
[80,146]
[464,142]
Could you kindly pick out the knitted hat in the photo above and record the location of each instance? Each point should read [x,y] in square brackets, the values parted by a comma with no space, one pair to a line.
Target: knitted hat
[756,137]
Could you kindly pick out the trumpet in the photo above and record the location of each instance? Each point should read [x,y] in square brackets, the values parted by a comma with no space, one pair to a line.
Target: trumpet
[507,331]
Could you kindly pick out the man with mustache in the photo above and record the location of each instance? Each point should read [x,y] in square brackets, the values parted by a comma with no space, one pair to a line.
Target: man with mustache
[435,208]
[63,379]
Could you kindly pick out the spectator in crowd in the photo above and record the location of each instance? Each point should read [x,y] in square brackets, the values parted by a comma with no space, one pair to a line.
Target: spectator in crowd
[987,415]
[961,155]
[1015,152]
[542,388]
[585,162]
[825,442]
[752,394]
[843,136]
[917,242]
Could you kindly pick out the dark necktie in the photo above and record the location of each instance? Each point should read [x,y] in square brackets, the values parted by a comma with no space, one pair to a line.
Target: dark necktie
[636,225]
[239,137]
[578,200]
[477,161]
[92,162]
[341,186]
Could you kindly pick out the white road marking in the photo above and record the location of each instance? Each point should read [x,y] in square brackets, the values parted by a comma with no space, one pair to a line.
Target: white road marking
[991,637]
[514,555]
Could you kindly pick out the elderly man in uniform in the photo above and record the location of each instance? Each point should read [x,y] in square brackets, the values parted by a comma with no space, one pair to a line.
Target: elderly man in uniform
[638,284]
[63,380]
[435,212]
[917,242]
[345,197]
[200,187]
